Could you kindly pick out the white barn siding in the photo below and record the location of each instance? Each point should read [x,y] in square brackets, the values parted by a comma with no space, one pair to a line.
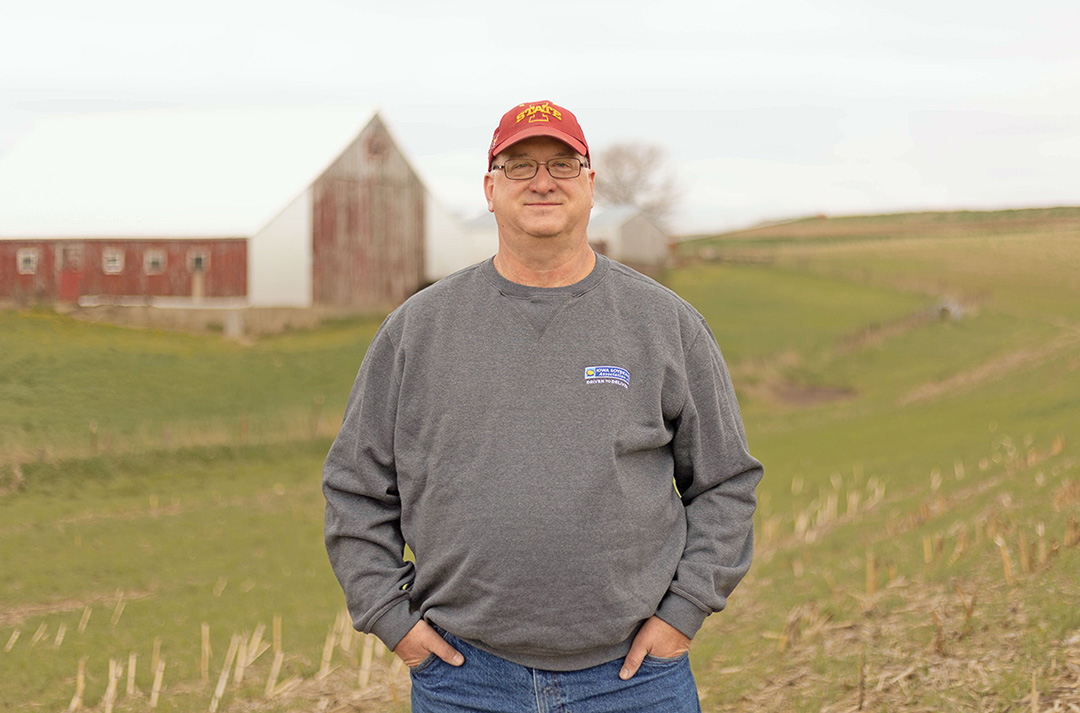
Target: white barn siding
[451,244]
[280,260]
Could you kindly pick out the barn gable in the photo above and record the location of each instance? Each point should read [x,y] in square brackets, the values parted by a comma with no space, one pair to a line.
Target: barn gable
[368,224]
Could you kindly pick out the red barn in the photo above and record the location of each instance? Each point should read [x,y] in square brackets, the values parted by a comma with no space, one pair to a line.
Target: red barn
[260,208]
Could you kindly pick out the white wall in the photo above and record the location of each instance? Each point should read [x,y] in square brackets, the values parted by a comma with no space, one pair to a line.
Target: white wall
[280,258]
[449,245]
[642,242]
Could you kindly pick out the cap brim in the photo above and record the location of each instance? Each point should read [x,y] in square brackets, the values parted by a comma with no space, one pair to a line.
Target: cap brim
[538,131]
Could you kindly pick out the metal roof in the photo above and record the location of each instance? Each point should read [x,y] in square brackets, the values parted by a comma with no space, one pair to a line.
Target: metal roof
[613,216]
[168,173]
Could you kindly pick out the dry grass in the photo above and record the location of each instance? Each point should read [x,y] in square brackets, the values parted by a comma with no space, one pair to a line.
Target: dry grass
[904,638]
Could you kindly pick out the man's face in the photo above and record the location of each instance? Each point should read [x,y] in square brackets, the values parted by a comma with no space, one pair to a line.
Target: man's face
[542,206]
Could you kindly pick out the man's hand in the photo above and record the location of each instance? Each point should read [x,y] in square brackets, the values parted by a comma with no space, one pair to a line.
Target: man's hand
[423,640]
[655,637]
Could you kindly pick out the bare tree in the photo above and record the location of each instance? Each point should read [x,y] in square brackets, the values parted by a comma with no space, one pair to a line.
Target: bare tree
[637,174]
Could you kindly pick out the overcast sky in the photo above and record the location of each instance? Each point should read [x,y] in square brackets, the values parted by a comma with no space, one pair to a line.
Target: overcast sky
[767,110]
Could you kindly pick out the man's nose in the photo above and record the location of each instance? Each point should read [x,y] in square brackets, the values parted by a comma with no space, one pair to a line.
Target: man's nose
[542,182]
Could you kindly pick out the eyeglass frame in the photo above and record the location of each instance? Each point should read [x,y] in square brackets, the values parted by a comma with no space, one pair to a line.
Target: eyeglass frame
[582,164]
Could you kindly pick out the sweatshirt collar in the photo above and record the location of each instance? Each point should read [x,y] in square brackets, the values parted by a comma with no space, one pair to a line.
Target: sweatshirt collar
[514,289]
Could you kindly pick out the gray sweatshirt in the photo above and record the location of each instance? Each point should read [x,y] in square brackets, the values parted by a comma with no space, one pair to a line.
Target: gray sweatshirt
[564,463]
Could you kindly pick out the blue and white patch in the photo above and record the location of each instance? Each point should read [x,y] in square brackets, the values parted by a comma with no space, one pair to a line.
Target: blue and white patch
[607,375]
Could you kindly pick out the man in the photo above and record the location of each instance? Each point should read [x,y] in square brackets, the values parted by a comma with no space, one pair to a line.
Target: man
[556,438]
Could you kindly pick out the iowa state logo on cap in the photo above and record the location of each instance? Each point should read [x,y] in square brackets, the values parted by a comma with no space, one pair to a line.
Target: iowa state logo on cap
[539,112]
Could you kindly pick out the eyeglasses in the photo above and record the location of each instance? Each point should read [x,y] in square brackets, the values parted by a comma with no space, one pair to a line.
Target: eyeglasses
[522,169]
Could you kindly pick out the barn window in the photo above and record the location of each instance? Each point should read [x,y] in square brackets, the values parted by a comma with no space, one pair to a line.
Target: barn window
[27,260]
[198,261]
[70,258]
[376,148]
[112,261]
[154,262]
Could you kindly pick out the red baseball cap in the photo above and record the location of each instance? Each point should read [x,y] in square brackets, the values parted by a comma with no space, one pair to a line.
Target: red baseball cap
[541,118]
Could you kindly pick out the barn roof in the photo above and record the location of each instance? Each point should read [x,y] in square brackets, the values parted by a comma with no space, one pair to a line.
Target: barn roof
[613,216]
[168,173]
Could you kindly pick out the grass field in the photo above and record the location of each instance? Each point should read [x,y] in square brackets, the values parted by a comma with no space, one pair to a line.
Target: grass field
[76,389]
[911,382]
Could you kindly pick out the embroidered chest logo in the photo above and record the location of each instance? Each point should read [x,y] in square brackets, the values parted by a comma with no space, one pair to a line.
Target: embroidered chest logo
[607,375]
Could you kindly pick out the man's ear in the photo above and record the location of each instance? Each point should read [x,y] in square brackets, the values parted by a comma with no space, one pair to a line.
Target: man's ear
[489,189]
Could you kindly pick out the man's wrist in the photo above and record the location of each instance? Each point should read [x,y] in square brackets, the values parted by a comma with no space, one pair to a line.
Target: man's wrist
[681,613]
[395,623]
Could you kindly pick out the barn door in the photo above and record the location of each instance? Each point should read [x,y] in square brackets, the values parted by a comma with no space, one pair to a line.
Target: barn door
[197,264]
[71,268]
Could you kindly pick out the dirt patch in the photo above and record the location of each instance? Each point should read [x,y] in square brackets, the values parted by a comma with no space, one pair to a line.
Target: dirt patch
[803,395]
[764,379]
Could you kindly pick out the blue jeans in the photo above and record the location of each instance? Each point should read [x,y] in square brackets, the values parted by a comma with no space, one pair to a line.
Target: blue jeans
[489,684]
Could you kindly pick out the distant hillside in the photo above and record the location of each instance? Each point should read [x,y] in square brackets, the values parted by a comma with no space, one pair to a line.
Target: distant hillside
[895,225]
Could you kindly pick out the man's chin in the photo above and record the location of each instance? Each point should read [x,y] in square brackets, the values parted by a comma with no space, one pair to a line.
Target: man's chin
[543,230]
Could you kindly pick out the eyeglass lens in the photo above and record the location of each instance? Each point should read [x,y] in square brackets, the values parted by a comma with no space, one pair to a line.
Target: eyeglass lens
[520,169]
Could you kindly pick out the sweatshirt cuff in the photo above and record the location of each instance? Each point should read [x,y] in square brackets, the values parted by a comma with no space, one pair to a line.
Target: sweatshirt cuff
[395,623]
[681,613]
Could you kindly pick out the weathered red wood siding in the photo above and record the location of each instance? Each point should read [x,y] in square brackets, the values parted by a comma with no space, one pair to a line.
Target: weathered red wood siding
[368,226]
[39,286]
[67,269]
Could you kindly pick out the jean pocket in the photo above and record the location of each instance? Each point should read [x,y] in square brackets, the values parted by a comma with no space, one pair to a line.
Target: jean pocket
[423,665]
[666,661]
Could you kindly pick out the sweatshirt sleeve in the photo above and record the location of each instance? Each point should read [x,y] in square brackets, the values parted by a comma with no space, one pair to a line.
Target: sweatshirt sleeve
[717,479]
[363,506]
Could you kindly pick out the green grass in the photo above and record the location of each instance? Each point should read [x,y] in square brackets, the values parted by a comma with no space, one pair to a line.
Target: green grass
[883,430]
[225,536]
[759,313]
[141,388]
